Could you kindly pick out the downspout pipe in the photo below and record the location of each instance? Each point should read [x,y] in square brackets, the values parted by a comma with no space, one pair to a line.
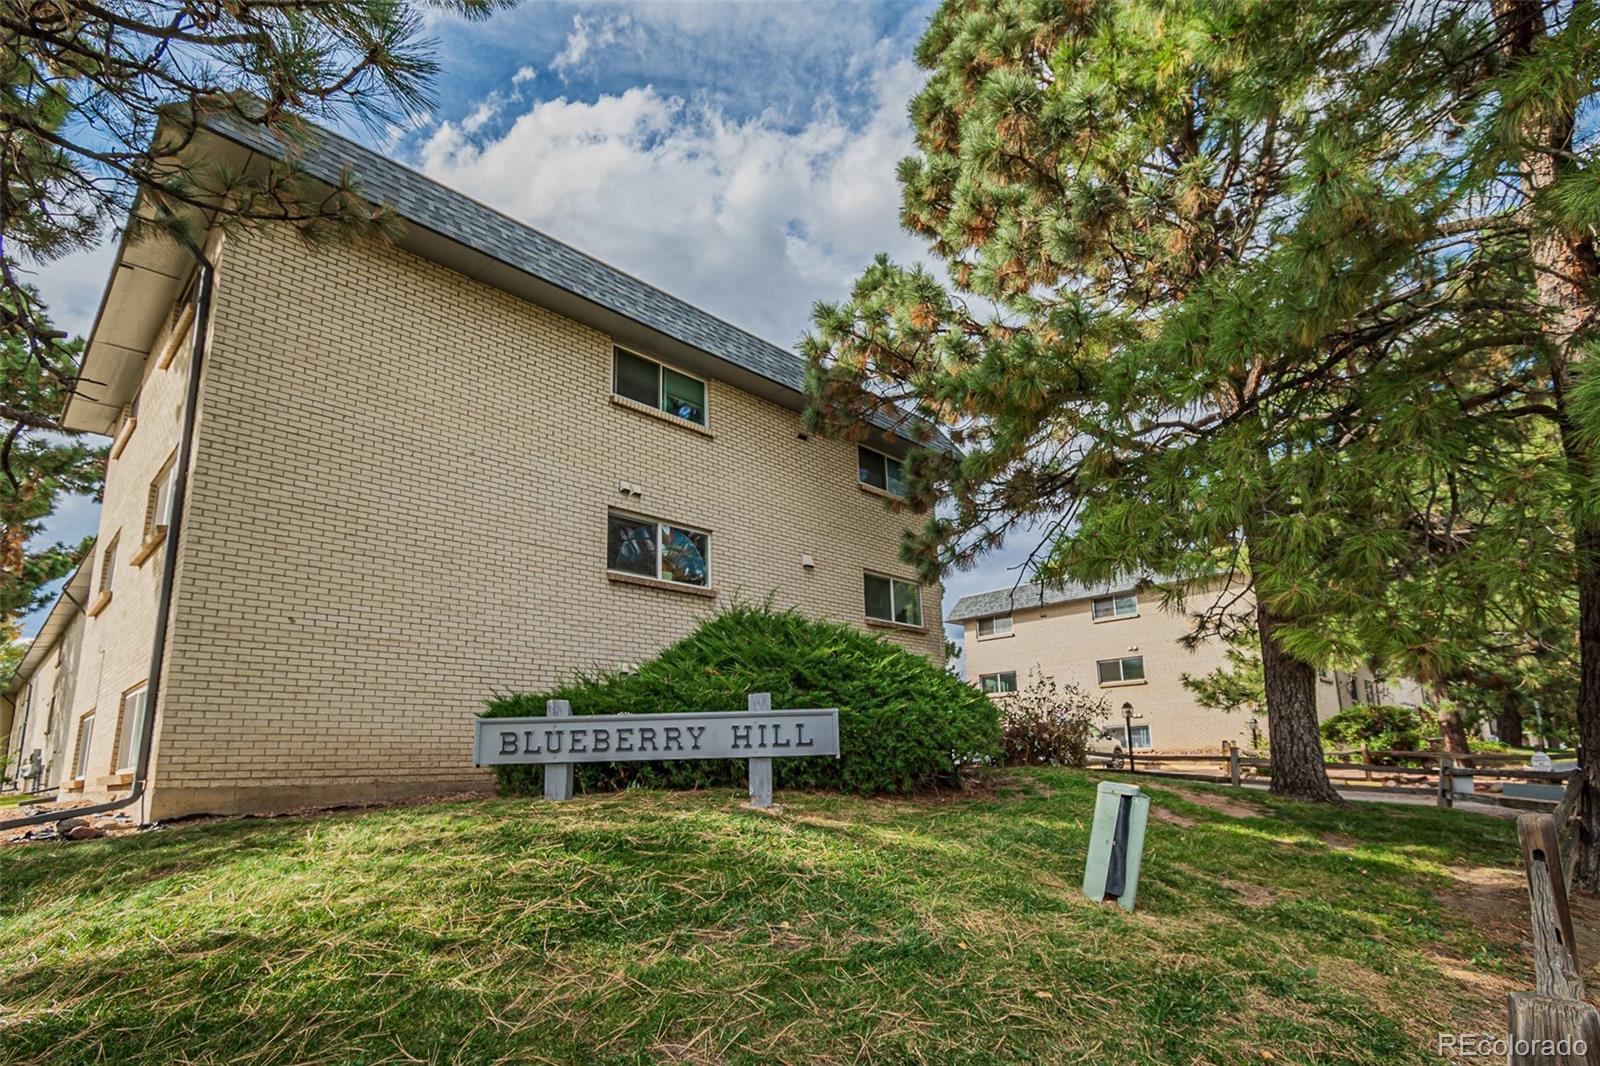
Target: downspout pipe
[169,564]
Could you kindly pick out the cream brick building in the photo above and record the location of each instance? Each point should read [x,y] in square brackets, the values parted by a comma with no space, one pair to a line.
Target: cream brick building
[1117,641]
[420,473]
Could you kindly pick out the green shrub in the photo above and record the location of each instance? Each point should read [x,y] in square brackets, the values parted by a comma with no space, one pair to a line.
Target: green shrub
[904,723]
[1381,727]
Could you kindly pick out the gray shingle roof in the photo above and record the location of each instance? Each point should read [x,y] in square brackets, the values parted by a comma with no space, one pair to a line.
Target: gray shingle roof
[427,203]
[1006,600]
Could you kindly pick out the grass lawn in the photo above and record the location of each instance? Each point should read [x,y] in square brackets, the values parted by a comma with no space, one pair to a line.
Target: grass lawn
[682,928]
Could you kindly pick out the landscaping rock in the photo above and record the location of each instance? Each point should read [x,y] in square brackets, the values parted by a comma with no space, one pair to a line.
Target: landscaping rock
[67,825]
[84,832]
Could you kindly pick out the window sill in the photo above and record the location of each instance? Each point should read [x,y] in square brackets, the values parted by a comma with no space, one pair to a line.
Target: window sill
[885,623]
[120,779]
[998,636]
[617,577]
[73,786]
[1123,684]
[1117,618]
[123,435]
[175,339]
[650,412]
[99,604]
[151,543]
[873,490]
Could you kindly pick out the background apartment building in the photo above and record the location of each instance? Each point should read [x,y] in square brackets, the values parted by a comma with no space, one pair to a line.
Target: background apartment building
[420,473]
[1117,642]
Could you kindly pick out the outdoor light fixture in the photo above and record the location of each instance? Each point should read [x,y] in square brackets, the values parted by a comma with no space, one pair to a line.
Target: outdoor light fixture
[1255,733]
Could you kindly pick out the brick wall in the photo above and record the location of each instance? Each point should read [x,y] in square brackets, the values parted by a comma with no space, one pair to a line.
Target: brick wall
[1065,642]
[398,508]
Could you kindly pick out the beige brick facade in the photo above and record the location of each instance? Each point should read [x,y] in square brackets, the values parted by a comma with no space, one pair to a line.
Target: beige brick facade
[1065,642]
[398,507]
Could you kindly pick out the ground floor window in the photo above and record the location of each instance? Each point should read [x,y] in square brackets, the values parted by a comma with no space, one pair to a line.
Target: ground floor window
[649,548]
[131,727]
[999,684]
[80,766]
[1141,737]
[1130,668]
[892,600]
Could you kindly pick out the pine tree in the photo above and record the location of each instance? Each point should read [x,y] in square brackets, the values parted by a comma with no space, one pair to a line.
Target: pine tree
[1209,315]
[38,464]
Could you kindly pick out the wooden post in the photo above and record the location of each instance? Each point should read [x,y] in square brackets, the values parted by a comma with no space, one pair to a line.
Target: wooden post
[1547,1031]
[1555,952]
[1233,764]
[760,769]
[558,775]
[1445,798]
[1366,760]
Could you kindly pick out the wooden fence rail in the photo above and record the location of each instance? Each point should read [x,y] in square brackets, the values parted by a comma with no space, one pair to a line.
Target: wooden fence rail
[1439,779]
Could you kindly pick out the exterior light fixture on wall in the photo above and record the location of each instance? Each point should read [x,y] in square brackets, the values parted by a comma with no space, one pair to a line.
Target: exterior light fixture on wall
[1127,731]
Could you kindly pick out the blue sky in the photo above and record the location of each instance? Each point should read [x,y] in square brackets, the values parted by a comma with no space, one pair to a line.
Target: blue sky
[738,155]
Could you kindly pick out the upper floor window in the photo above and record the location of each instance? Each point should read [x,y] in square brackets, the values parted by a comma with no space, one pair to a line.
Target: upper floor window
[998,684]
[108,566]
[880,471]
[995,627]
[661,387]
[1115,606]
[1130,668]
[892,600]
[660,550]
[158,505]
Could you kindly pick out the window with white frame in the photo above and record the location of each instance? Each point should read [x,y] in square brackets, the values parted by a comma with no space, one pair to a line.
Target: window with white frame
[892,600]
[158,505]
[1141,737]
[130,728]
[80,766]
[881,471]
[659,386]
[994,627]
[646,547]
[1122,606]
[1128,668]
[998,684]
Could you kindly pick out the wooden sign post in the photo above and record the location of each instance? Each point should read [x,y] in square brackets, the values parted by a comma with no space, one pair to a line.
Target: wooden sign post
[556,741]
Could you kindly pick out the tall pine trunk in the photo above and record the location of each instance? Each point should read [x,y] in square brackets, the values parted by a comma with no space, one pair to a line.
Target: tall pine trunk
[1565,265]
[1298,768]
[1508,723]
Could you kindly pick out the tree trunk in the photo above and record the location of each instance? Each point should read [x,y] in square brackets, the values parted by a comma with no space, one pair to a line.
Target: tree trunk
[1451,729]
[1508,723]
[1565,265]
[1587,541]
[1298,768]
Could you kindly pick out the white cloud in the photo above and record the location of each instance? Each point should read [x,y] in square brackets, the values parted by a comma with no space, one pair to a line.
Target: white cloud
[751,220]
[588,34]
[523,74]
[481,114]
[71,286]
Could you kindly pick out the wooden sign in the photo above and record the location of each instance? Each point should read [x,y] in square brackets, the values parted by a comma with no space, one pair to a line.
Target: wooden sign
[558,740]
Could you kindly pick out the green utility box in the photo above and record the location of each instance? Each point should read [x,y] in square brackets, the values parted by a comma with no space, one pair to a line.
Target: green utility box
[1116,843]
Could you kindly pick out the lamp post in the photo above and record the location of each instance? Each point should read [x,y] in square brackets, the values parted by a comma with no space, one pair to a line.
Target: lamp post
[1127,733]
[1255,734]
